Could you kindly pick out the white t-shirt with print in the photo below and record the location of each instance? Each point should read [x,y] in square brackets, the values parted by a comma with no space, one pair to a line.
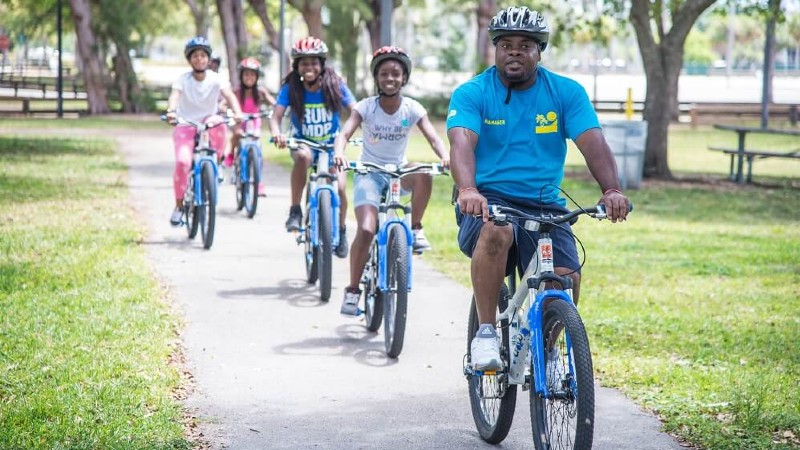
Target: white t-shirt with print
[199,99]
[386,135]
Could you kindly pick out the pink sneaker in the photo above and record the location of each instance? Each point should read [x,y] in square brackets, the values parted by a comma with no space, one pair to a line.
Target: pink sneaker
[262,191]
[228,162]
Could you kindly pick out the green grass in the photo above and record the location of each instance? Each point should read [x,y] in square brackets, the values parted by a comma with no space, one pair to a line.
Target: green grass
[146,122]
[85,339]
[692,305]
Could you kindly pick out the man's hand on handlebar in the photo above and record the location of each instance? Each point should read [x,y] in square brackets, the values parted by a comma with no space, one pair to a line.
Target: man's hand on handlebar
[617,205]
[472,203]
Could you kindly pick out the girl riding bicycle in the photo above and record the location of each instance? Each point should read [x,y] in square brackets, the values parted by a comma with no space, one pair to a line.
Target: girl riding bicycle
[195,97]
[251,98]
[386,119]
[316,95]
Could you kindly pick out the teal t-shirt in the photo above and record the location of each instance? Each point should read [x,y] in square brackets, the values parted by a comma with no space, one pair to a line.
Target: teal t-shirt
[522,145]
[319,124]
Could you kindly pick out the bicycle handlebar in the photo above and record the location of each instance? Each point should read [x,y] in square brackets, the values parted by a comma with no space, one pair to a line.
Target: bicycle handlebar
[293,143]
[502,215]
[396,171]
[199,125]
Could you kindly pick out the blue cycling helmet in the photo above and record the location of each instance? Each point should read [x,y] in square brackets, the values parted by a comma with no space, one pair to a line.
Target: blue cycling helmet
[197,43]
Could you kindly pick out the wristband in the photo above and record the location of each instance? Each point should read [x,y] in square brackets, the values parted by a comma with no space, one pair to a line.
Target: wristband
[460,191]
[611,190]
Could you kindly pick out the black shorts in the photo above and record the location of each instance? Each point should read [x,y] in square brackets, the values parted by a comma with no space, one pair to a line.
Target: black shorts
[565,253]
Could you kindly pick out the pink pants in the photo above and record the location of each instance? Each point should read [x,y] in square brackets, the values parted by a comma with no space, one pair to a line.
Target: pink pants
[183,138]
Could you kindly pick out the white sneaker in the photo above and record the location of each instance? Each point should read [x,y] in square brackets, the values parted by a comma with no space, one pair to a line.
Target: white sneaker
[350,302]
[176,217]
[485,349]
[555,370]
[420,241]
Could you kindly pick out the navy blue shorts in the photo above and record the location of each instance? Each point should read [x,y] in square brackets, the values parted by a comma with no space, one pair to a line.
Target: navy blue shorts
[565,254]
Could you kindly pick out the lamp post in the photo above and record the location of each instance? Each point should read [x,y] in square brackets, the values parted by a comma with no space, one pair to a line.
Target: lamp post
[386,22]
[60,76]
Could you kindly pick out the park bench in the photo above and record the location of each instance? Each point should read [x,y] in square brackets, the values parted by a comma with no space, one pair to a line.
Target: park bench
[741,152]
[703,113]
[750,155]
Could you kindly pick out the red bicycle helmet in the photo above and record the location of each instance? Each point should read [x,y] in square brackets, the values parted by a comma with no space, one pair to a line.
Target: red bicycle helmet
[251,64]
[309,46]
[390,52]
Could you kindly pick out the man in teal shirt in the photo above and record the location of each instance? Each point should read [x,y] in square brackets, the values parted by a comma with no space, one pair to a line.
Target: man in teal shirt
[507,129]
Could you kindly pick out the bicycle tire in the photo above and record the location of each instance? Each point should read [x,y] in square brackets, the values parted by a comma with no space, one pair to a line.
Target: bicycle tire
[237,179]
[324,245]
[565,422]
[251,187]
[492,414]
[373,299]
[395,304]
[190,209]
[208,197]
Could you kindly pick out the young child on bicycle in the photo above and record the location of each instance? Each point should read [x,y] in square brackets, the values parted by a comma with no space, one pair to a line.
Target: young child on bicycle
[386,119]
[195,97]
[251,98]
[317,95]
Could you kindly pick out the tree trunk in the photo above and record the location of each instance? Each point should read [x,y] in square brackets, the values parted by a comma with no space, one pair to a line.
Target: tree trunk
[92,68]
[200,15]
[312,14]
[486,10]
[229,35]
[260,7]
[125,79]
[769,61]
[662,61]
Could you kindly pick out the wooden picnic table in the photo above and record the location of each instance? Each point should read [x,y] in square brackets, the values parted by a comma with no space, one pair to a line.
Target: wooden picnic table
[741,152]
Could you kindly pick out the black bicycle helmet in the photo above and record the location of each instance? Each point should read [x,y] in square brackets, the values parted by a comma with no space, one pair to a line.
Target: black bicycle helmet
[197,43]
[390,52]
[519,20]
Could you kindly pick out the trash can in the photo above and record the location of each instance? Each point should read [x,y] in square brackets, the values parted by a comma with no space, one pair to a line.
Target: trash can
[627,141]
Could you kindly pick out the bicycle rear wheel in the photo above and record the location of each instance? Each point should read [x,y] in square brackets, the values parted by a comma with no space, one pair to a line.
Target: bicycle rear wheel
[325,246]
[373,300]
[491,397]
[251,187]
[190,211]
[566,419]
[208,197]
[395,299]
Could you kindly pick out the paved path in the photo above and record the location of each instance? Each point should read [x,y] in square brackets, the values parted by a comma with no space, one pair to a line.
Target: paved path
[277,369]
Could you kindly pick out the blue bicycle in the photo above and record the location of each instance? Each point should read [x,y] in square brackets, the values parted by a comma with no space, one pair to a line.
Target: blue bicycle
[320,231]
[544,348]
[248,163]
[386,280]
[200,199]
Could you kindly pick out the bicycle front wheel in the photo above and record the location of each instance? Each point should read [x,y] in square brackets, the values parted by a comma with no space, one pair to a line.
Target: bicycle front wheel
[373,300]
[325,247]
[395,299]
[565,420]
[208,197]
[491,397]
[251,187]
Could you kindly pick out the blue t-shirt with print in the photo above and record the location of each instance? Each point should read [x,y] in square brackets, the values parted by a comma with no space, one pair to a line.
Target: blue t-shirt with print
[522,146]
[319,124]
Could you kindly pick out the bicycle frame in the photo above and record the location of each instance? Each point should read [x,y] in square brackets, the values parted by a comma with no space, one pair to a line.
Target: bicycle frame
[202,152]
[386,218]
[320,170]
[250,141]
[524,327]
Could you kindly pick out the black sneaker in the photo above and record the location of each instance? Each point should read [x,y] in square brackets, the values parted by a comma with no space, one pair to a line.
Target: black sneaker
[342,249]
[295,218]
